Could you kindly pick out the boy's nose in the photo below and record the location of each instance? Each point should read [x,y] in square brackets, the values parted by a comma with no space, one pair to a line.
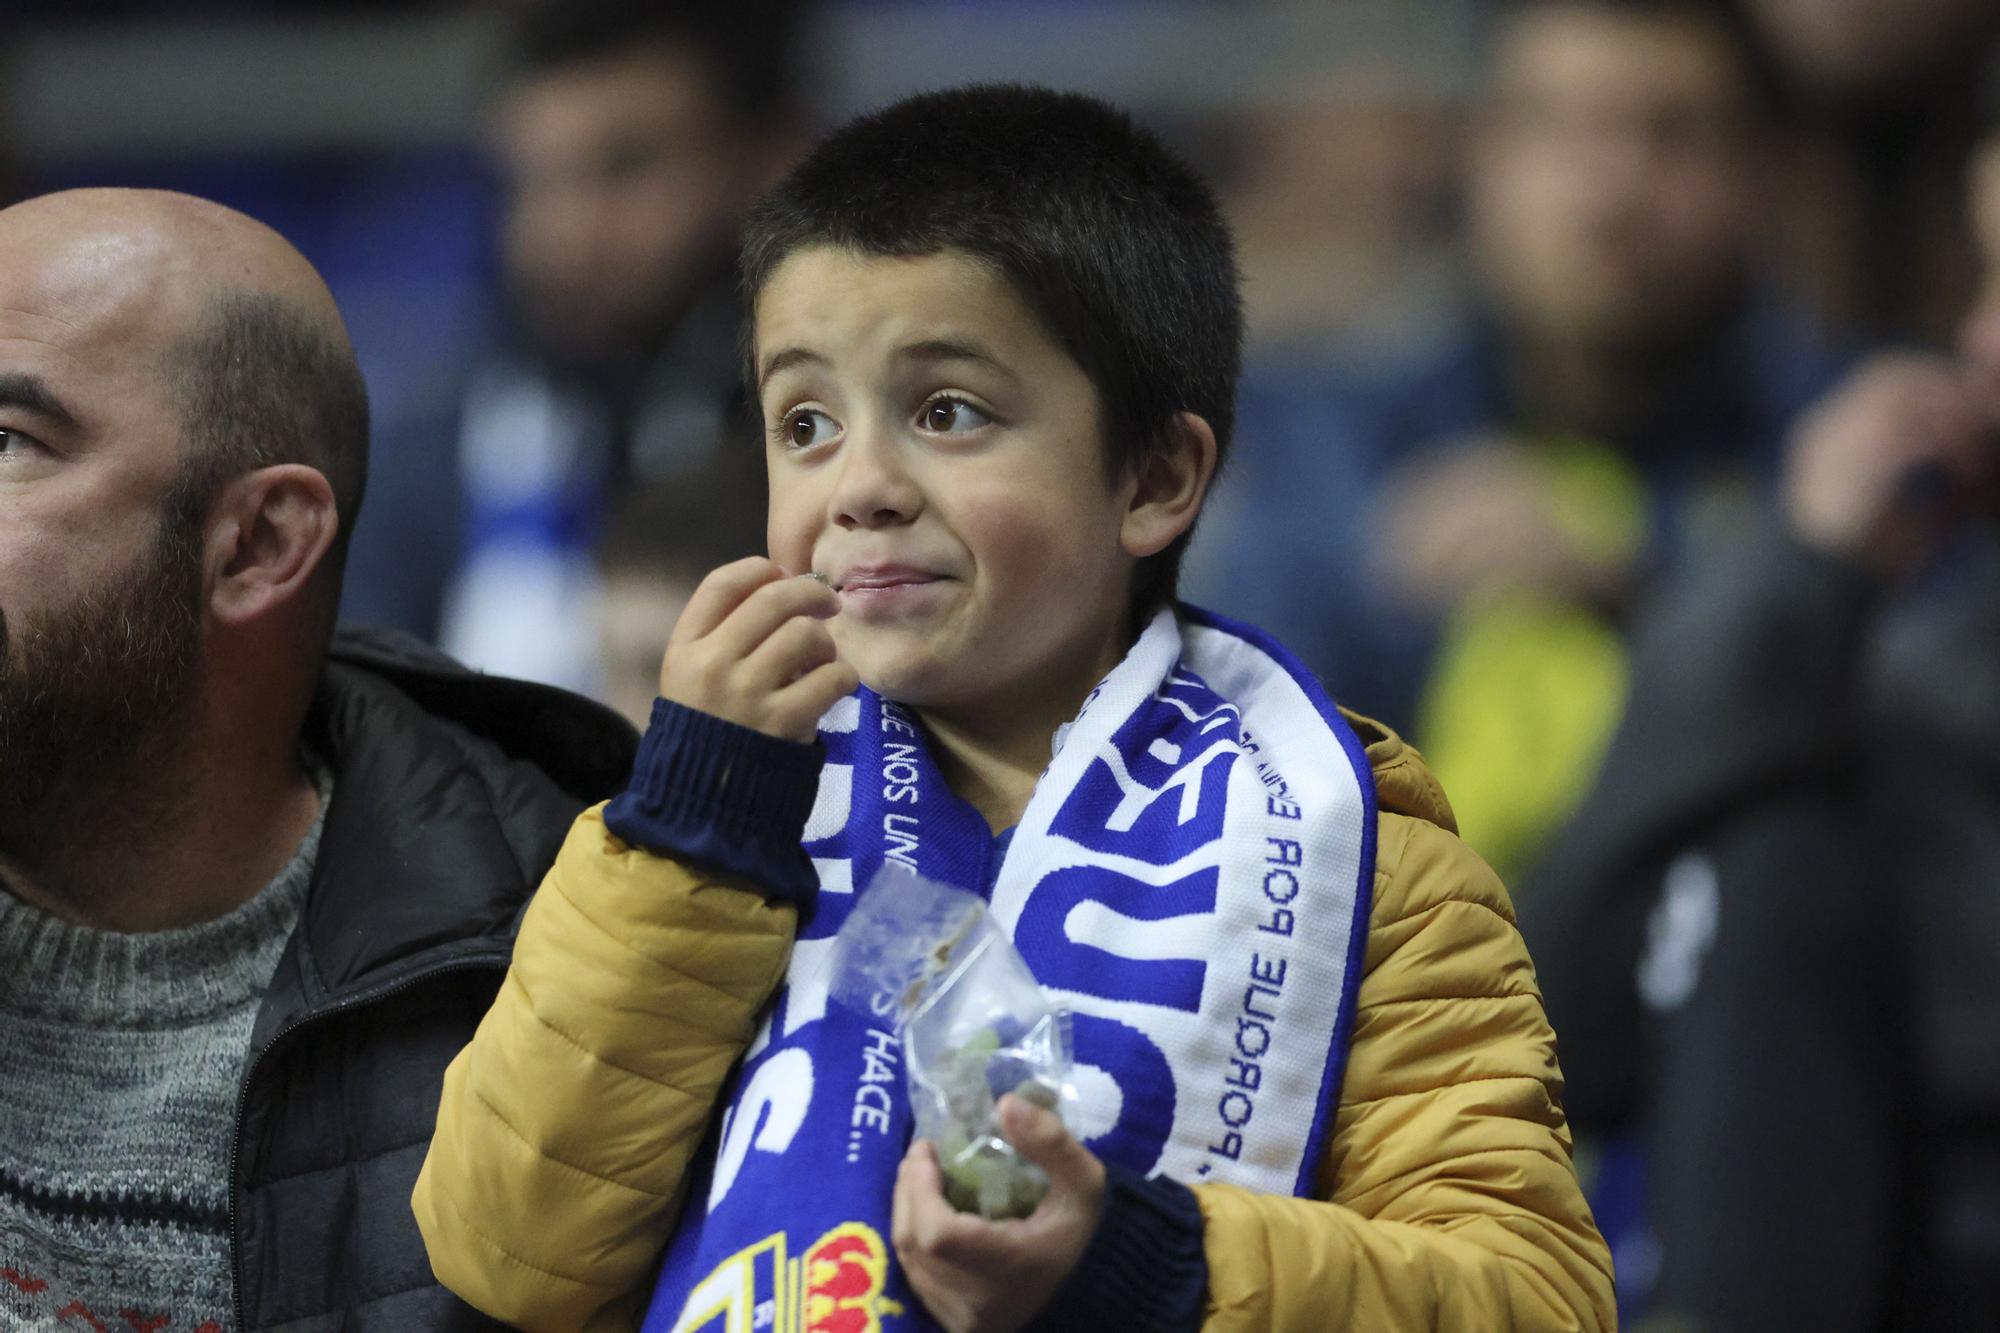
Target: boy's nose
[873,489]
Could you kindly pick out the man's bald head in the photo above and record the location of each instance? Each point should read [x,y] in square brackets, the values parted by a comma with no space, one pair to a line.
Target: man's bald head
[183,438]
[243,330]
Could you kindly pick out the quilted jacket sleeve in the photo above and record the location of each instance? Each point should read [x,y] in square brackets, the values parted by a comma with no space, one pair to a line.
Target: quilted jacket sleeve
[567,1124]
[1447,1196]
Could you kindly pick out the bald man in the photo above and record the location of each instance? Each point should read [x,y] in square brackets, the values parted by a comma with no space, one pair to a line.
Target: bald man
[257,881]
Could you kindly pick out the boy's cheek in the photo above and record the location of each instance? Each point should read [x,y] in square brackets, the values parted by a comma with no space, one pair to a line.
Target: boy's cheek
[1027,558]
[1009,530]
[790,548]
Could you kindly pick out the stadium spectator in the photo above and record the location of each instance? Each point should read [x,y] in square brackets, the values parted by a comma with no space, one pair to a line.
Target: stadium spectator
[630,137]
[254,893]
[1456,546]
[1769,934]
[1886,102]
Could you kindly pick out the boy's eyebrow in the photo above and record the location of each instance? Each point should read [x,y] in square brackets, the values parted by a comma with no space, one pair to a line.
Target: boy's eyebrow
[30,394]
[930,349]
[953,349]
[785,360]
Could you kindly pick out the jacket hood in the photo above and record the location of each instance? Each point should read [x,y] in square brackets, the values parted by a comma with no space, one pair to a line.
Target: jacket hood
[452,791]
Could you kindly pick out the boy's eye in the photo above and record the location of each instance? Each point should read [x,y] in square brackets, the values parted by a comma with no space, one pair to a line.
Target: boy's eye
[805,427]
[953,415]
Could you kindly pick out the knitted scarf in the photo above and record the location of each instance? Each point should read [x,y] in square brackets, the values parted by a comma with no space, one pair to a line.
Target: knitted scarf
[1191,878]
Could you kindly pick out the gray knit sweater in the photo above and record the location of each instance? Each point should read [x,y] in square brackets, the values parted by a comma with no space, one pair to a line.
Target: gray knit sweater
[120,1060]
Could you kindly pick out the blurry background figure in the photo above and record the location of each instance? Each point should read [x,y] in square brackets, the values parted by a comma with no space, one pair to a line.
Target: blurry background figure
[1886,98]
[1337,195]
[1979,332]
[631,137]
[1769,938]
[1455,544]
[658,543]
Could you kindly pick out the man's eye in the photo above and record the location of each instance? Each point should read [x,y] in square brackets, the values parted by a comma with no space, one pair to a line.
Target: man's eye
[948,416]
[14,442]
[805,427]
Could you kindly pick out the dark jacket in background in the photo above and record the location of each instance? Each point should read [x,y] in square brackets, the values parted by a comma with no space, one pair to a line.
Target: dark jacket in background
[1771,943]
[452,793]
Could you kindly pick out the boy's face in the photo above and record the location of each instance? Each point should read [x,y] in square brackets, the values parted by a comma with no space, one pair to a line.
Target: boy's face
[938,458]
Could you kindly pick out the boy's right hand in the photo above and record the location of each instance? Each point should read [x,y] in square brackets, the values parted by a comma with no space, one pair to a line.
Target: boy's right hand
[753,648]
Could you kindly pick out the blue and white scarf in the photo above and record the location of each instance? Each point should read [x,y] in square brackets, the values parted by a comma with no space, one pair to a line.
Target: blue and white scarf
[1191,877]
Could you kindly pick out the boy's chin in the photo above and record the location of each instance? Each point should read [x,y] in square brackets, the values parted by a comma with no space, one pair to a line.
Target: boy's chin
[904,683]
[913,679]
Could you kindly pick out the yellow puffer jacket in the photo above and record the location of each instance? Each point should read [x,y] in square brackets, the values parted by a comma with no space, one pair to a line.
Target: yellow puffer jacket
[1447,1198]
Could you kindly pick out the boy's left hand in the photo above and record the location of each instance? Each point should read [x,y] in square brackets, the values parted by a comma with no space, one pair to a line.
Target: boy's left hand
[977,1276]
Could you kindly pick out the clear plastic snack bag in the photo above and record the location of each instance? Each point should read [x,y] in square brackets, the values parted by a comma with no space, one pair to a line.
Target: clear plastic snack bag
[930,960]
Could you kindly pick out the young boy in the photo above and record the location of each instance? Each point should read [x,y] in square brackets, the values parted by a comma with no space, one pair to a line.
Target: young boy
[995,343]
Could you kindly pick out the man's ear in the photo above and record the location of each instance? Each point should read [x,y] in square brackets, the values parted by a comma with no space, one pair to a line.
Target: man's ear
[1169,488]
[267,534]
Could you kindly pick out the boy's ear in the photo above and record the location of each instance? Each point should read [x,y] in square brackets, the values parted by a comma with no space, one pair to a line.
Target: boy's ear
[268,532]
[1169,488]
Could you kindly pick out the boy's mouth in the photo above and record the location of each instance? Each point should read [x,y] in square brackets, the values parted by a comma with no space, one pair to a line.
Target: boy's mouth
[878,578]
[870,590]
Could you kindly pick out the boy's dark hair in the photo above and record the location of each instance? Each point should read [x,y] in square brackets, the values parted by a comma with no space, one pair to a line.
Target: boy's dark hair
[1113,241]
[746,47]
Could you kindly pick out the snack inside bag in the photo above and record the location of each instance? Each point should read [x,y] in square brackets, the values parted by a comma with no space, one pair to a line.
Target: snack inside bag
[974,1025]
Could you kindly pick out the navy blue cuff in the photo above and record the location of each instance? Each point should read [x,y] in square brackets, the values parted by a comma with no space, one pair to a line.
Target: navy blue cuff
[711,791]
[1144,1268]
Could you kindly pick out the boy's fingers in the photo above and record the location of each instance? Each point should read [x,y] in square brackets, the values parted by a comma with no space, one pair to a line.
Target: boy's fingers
[816,691]
[920,1168]
[938,1230]
[721,592]
[911,1184]
[765,609]
[793,649]
[922,1221]
[1042,1138]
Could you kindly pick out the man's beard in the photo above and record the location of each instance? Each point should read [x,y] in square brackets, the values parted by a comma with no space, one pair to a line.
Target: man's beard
[93,691]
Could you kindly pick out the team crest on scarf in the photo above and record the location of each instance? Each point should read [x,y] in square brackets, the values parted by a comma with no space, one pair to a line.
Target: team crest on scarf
[1191,878]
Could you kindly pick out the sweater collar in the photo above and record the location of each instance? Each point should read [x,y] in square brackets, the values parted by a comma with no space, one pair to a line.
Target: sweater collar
[59,971]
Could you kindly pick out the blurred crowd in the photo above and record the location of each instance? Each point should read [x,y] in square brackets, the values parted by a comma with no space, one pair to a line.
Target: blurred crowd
[1621,423]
